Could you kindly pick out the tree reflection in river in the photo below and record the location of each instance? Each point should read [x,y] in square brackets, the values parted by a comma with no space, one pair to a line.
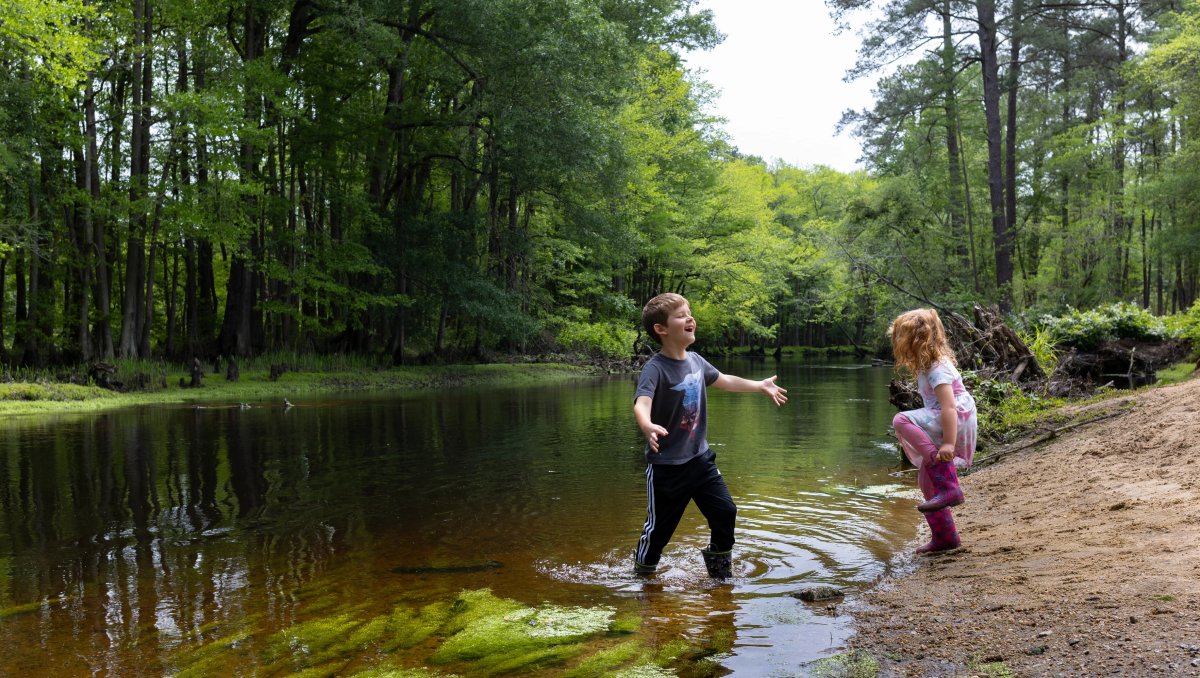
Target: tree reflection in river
[128,536]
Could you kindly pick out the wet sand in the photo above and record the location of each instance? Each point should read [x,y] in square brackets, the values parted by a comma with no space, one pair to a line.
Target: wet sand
[1080,557]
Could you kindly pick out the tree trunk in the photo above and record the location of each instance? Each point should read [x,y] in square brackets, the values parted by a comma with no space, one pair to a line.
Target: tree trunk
[102,332]
[1121,224]
[1010,139]
[21,312]
[133,304]
[3,305]
[954,169]
[81,236]
[203,327]
[235,338]
[1001,235]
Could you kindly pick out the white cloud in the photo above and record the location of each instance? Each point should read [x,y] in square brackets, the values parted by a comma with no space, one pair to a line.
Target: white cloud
[779,75]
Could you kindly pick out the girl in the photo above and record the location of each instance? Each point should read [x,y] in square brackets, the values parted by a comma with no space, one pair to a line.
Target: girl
[939,437]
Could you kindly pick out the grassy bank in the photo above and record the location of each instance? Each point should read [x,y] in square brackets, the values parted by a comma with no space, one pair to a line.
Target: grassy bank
[1007,413]
[42,395]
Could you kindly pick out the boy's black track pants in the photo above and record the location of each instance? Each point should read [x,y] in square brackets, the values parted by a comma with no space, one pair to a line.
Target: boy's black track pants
[669,489]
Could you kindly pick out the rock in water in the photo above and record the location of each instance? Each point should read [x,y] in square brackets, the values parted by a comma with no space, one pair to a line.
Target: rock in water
[448,569]
[818,593]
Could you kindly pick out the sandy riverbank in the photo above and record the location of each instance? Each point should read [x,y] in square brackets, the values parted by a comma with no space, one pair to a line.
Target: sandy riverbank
[1080,557]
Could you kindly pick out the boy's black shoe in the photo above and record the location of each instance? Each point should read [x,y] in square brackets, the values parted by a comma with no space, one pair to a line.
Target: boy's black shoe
[643,570]
[718,563]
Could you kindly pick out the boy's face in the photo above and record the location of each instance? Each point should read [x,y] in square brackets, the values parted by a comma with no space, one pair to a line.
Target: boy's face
[680,329]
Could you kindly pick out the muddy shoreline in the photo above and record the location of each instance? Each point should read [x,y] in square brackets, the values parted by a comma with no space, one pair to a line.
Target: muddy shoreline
[1080,557]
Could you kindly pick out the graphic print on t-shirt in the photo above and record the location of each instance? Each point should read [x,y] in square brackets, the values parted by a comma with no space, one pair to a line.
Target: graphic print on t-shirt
[690,387]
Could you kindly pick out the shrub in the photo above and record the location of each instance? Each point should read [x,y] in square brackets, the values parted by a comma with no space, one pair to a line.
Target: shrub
[609,339]
[1186,326]
[1088,329]
[1004,409]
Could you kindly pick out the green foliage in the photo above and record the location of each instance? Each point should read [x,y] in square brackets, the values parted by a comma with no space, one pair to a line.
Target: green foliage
[609,339]
[1175,373]
[1004,409]
[50,392]
[1044,344]
[1186,326]
[1088,329]
[256,388]
[507,176]
[48,35]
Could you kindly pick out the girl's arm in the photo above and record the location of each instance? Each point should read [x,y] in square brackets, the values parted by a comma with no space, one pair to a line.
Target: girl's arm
[728,382]
[949,420]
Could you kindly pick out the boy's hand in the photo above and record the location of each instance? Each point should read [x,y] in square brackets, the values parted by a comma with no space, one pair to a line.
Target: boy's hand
[772,389]
[652,433]
[945,452]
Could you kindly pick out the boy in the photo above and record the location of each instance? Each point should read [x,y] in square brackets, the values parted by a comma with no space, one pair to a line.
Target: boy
[671,410]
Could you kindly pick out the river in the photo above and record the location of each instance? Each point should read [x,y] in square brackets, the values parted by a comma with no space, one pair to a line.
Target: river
[133,542]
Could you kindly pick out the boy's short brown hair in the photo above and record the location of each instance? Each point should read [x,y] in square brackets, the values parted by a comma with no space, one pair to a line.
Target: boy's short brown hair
[656,311]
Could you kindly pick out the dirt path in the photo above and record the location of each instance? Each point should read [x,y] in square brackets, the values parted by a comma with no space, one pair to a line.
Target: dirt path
[1081,557]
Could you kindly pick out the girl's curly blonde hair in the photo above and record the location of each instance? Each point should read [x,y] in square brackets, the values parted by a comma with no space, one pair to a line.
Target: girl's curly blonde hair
[919,340]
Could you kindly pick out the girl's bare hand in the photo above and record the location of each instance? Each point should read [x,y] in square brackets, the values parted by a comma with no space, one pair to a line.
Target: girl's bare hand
[945,453]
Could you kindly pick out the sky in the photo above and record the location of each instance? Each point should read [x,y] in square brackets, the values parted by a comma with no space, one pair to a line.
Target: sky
[779,75]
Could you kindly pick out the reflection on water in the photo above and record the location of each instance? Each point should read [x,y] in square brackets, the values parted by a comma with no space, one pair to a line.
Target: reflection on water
[128,537]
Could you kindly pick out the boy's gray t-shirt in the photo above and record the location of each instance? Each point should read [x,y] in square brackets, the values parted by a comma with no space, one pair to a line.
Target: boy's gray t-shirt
[679,404]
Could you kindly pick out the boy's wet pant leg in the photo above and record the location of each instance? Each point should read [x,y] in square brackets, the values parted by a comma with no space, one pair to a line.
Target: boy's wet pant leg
[669,489]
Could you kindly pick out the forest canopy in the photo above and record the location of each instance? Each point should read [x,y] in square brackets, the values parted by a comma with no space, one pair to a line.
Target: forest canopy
[461,179]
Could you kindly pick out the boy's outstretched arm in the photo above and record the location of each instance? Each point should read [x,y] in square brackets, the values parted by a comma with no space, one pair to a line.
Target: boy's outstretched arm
[728,382]
[641,412]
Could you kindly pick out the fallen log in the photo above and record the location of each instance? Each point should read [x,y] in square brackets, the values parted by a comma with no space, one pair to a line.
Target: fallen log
[987,346]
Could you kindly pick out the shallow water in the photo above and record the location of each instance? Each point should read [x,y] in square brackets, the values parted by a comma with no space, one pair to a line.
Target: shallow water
[129,537]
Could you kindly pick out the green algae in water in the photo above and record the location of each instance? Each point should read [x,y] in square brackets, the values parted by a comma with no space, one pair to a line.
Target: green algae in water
[566,622]
[525,661]
[401,673]
[473,606]
[326,671]
[493,635]
[625,623]
[722,641]
[210,659]
[673,651]
[312,642]
[408,628]
[501,636]
[849,665]
[645,671]
[28,607]
[680,652]
[606,661]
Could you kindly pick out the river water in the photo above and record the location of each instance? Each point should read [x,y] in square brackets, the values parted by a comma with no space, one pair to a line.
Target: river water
[130,538]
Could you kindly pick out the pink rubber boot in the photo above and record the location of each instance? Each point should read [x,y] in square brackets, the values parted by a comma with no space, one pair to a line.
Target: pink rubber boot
[945,485]
[944,534]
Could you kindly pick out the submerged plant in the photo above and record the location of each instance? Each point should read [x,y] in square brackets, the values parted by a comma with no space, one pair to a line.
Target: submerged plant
[488,634]
[500,635]
[606,661]
[402,673]
[850,665]
[645,671]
